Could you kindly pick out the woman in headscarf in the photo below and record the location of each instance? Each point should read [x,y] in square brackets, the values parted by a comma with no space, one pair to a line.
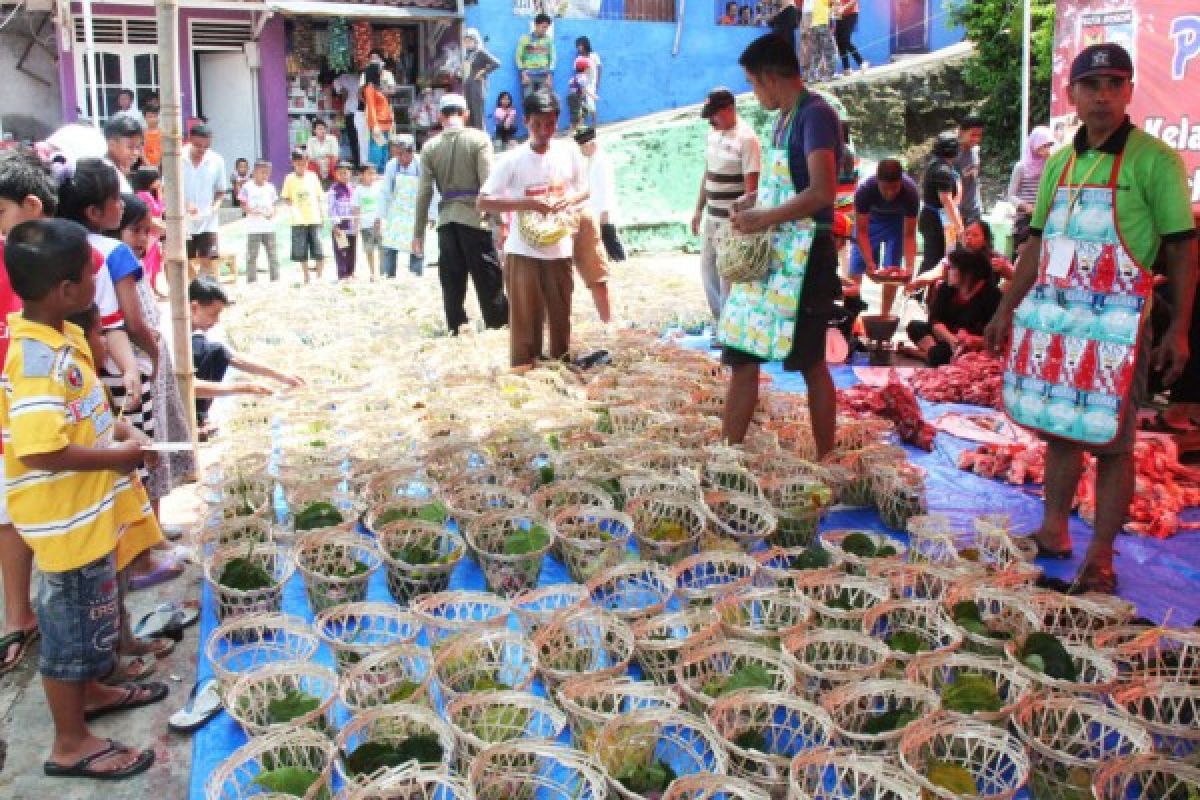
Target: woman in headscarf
[1026,176]
[478,63]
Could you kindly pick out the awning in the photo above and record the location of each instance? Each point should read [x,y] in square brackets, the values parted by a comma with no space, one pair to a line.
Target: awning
[358,10]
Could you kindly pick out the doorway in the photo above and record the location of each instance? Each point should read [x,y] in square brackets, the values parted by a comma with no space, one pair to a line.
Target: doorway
[225,97]
[910,26]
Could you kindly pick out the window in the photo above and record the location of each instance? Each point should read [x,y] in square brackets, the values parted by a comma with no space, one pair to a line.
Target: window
[125,58]
[752,13]
[635,10]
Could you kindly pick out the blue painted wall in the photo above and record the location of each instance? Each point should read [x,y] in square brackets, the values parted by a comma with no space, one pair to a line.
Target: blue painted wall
[641,76]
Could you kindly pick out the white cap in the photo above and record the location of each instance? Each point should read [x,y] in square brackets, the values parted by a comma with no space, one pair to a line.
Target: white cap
[452,101]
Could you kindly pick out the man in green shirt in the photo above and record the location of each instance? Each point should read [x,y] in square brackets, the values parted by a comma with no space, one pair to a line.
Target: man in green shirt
[535,57]
[1151,210]
[457,161]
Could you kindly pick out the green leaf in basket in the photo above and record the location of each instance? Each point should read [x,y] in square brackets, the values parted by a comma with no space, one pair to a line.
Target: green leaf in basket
[420,554]
[646,779]
[294,703]
[501,723]
[893,719]
[295,781]
[859,544]
[951,777]
[319,514]
[245,575]
[971,692]
[751,676]
[812,557]
[603,421]
[1051,657]
[528,541]
[403,691]
[907,642]
[751,739]
[369,757]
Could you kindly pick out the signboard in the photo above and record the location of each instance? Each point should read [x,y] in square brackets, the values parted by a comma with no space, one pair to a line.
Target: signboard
[1163,37]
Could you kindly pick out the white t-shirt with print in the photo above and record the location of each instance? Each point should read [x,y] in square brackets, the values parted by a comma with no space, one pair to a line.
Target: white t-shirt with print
[260,199]
[366,200]
[524,173]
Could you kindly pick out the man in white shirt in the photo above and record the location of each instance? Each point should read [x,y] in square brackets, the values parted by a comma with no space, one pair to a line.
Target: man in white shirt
[733,159]
[545,183]
[346,85]
[602,186]
[205,183]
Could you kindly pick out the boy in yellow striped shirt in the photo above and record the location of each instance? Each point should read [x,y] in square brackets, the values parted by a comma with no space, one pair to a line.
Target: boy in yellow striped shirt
[68,463]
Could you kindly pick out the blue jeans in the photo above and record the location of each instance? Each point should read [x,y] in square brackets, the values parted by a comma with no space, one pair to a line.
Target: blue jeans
[387,267]
[78,616]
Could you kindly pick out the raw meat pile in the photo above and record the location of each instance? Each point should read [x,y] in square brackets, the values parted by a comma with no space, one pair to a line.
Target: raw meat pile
[895,402]
[974,377]
[1164,486]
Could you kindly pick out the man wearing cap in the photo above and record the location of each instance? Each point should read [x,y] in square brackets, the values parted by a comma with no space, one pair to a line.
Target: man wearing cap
[1108,204]
[478,63]
[457,162]
[403,162]
[205,184]
[732,160]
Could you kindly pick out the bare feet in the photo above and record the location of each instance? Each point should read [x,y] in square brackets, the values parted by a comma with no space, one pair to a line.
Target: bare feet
[1052,544]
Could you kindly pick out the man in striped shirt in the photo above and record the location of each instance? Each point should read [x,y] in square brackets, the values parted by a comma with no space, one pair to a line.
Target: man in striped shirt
[732,161]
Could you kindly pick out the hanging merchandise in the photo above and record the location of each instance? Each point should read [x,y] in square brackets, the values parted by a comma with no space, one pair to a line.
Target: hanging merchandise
[360,38]
[304,47]
[339,46]
[391,42]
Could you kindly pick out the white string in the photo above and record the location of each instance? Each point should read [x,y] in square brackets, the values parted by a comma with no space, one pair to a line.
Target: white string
[20,4]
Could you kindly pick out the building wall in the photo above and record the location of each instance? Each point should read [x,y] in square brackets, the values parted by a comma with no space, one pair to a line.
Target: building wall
[28,107]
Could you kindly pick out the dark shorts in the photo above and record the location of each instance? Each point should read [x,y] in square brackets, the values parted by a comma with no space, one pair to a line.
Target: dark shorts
[821,290]
[306,243]
[888,231]
[202,245]
[78,616]
[211,361]
[370,239]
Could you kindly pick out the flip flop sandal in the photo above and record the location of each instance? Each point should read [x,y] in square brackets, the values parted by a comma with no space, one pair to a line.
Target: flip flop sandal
[203,704]
[1046,552]
[151,693]
[83,767]
[163,572]
[129,669]
[161,646]
[167,619]
[22,640]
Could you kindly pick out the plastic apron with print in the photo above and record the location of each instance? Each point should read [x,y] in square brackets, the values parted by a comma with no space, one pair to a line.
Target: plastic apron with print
[759,317]
[1074,348]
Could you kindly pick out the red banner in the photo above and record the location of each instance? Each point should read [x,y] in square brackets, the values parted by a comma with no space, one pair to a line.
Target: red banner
[1163,36]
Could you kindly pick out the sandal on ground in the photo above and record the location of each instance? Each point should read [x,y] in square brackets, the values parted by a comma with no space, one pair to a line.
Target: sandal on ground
[129,669]
[163,571]
[1095,580]
[203,704]
[1048,552]
[137,695]
[167,619]
[158,647]
[16,645]
[83,767]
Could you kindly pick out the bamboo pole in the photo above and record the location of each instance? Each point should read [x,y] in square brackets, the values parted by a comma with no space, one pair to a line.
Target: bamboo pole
[174,248]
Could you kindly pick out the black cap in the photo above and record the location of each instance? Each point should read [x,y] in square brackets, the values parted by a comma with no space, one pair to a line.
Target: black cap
[946,145]
[298,154]
[584,135]
[718,99]
[1102,59]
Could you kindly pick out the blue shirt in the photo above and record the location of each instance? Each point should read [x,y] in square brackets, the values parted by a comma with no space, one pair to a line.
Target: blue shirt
[869,200]
[816,127]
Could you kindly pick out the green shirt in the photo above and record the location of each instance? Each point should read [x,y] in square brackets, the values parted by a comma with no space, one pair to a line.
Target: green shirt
[457,161]
[1153,199]
[535,53]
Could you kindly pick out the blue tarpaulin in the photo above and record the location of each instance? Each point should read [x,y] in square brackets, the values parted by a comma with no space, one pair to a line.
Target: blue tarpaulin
[1158,576]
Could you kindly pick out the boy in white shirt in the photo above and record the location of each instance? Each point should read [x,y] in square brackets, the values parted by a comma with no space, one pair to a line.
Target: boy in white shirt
[366,199]
[258,199]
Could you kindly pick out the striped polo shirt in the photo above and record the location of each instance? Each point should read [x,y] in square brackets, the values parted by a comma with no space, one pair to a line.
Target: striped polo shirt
[729,157]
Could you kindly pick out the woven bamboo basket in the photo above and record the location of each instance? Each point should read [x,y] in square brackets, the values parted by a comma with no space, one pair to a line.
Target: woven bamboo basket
[705,578]
[455,456]
[764,730]
[405,509]
[845,774]
[931,543]
[446,615]
[438,548]
[854,706]
[411,783]
[488,660]
[659,641]
[841,601]
[920,618]
[1097,674]
[696,429]
[536,607]
[667,527]
[1069,738]
[730,476]
[704,671]
[490,537]
[798,502]
[482,719]
[232,533]
[534,769]
[242,496]
[636,484]
[354,631]
[632,590]
[1079,618]
[399,674]
[402,483]
[762,616]
[470,501]
[782,566]
[232,468]
[747,520]
[255,698]
[686,743]
[591,539]
[1005,614]
[553,497]
[629,420]
[392,725]
[242,644]
[665,459]
[1146,777]
[825,658]
[916,581]
[231,602]
[899,494]
[583,641]
[994,758]
[336,492]
[856,564]
[590,702]
[1169,712]
[238,776]
[336,567]
[941,671]
[1144,653]
[703,786]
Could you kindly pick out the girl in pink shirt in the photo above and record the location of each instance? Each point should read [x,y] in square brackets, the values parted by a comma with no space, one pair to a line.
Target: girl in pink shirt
[147,183]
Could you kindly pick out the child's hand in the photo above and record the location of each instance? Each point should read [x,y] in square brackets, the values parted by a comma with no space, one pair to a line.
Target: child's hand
[128,456]
[132,383]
